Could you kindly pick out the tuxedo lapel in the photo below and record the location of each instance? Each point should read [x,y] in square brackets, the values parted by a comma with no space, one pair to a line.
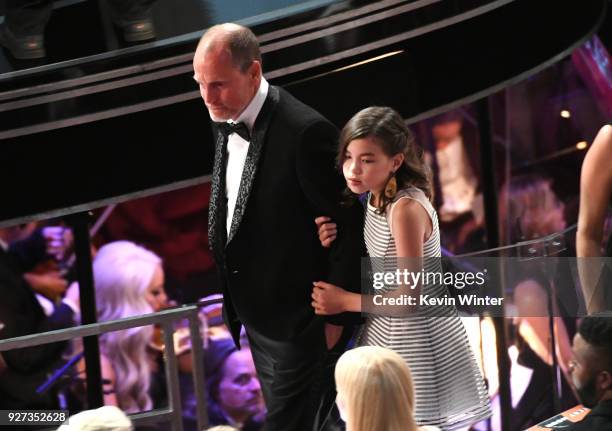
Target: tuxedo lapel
[217,208]
[250,165]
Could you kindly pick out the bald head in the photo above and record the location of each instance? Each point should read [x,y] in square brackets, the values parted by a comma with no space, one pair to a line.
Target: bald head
[238,41]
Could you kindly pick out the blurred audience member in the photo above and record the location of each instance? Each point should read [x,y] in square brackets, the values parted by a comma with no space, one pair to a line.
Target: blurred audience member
[46,277]
[529,209]
[21,314]
[375,391]
[234,392]
[455,162]
[595,199]
[457,180]
[129,282]
[591,371]
[107,418]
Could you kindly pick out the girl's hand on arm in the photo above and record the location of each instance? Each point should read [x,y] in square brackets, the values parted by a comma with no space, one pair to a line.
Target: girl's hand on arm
[327,230]
[331,299]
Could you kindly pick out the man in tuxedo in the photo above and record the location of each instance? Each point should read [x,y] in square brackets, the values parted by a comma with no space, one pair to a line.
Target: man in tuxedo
[591,371]
[274,173]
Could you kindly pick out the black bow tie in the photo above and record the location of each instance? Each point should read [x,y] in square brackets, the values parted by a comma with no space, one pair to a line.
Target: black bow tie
[240,128]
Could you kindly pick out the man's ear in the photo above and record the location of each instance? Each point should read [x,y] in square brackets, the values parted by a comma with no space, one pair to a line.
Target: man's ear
[255,69]
[605,380]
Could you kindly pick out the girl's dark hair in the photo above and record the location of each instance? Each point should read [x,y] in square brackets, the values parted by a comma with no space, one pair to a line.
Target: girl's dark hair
[389,130]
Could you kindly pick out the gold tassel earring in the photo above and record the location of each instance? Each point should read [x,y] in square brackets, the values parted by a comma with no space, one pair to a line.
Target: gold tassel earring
[391,187]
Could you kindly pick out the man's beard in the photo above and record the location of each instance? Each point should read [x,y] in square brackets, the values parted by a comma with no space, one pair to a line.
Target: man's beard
[588,393]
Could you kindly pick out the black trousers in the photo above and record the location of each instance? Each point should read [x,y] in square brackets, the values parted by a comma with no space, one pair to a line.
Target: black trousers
[29,17]
[297,380]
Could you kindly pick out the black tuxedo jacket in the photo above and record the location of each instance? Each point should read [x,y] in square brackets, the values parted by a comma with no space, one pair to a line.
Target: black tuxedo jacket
[272,255]
[21,314]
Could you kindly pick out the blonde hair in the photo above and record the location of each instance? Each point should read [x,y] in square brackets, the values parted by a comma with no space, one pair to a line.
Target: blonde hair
[376,388]
[122,272]
[222,428]
[107,418]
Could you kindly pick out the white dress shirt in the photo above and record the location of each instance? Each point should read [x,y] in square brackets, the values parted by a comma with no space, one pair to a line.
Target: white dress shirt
[237,149]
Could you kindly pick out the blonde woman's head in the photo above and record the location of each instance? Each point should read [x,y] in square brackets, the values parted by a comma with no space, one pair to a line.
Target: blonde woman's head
[125,276]
[375,390]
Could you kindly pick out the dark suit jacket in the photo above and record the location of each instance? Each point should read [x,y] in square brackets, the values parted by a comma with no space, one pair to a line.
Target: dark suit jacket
[272,255]
[598,419]
[21,314]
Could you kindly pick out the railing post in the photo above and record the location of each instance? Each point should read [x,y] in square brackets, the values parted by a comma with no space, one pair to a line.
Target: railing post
[198,370]
[82,247]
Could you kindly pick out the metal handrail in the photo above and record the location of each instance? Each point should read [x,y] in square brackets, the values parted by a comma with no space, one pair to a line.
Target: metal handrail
[165,319]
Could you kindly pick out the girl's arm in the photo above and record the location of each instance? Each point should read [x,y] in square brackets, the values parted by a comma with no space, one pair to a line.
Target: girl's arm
[410,226]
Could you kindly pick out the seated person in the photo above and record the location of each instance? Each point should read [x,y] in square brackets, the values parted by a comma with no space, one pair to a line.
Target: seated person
[457,179]
[234,392]
[375,391]
[129,282]
[591,371]
[530,209]
[23,370]
[455,160]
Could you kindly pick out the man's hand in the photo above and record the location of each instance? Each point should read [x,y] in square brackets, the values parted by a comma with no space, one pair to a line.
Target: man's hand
[51,284]
[327,230]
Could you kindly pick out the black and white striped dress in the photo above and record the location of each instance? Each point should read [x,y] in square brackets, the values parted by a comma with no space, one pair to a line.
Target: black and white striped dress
[449,389]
